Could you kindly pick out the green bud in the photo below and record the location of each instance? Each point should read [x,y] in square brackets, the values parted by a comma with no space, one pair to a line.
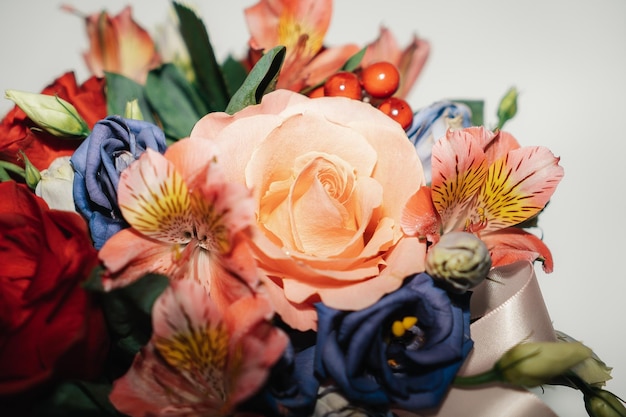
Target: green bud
[51,113]
[534,364]
[592,371]
[508,107]
[132,110]
[460,259]
[31,174]
[601,403]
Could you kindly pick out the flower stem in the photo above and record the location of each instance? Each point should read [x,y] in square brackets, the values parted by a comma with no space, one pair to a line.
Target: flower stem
[491,375]
[8,166]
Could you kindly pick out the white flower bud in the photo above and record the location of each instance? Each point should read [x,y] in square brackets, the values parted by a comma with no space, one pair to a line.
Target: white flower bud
[533,364]
[56,185]
[51,113]
[460,259]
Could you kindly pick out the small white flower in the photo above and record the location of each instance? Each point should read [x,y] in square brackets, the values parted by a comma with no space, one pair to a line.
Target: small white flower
[56,185]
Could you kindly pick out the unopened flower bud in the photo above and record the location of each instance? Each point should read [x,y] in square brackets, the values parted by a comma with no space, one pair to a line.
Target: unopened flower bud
[56,185]
[51,113]
[460,259]
[31,173]
[592,371]
[604,404]
[533,364]
[508,107]
[132,110]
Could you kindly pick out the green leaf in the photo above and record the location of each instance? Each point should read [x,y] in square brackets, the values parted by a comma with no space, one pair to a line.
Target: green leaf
[478,110]
[121,90]
[234,74]
[76,399]
[205,65]
[261,80]
[354,61]
[175,100]
[128,310]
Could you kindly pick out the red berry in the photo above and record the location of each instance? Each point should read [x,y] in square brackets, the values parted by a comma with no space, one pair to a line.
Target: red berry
[316,92]
[343,84]
[381,79]
[399,110]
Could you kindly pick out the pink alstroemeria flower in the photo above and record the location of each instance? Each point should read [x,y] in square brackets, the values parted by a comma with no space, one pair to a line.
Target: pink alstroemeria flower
[185,223]
[202,360]
[485,183]
[410,61]
[300,26]
[118,45]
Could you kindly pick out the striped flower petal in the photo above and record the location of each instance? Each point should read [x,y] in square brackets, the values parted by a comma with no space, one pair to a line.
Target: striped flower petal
[459,168]
[154,199]
[518,186]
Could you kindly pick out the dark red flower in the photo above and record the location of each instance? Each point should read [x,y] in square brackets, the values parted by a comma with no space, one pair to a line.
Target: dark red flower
[50,327]
[17,133]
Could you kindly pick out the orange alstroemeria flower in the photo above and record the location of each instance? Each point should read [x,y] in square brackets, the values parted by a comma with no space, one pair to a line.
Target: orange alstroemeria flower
[485,183]
[118,45]
[186,223]
[202,360]
[300,26]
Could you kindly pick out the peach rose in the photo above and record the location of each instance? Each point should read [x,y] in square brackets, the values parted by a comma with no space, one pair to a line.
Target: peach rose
[330,177]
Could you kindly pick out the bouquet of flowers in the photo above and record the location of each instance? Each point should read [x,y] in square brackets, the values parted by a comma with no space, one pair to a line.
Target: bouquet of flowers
[277,234]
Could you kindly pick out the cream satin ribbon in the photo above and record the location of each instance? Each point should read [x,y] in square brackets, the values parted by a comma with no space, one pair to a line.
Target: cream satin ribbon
[508,308]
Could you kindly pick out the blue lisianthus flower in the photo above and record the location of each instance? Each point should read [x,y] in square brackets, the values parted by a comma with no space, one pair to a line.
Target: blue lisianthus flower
[291,389]
[404,351]
[431,123]
[114,143]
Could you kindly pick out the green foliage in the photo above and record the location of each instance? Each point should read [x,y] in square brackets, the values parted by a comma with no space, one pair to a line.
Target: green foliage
[354,61]
[121,90]
[208,72]
[177,102]
[261,80]
[128,311]
[478,110]
[76,399]
[234,74]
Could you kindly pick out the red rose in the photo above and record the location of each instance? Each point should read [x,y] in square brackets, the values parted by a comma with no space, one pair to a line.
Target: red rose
[42,148]
[50,327]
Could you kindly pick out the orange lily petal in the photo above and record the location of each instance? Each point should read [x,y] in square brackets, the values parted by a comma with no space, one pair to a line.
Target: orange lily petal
[513,244]
[419,217]
[411,63]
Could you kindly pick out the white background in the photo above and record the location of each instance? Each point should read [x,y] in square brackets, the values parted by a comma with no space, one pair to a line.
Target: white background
[568,59]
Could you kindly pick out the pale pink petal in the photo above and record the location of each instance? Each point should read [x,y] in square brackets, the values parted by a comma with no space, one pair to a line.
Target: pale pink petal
[384,48]
[154,199]
[410,65]
[499,146]
[459,169]
[328,62]
[191,156]
[127,256]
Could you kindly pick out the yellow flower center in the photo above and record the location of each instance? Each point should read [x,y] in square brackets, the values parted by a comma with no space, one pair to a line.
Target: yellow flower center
[202,356]
[293,33]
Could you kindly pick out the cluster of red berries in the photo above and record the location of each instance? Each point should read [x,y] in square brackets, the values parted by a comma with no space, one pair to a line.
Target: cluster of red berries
[376,84]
